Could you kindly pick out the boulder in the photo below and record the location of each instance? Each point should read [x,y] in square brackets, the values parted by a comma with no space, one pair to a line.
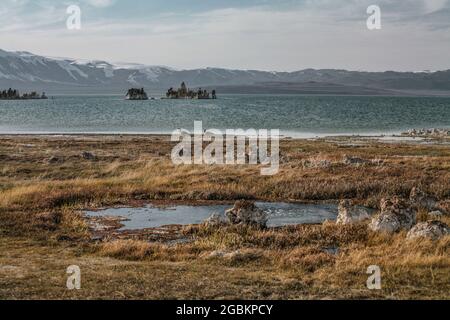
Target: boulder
[353,160]
[348,213]
[420,199]
[215,254]
[402,209]
[435,213]
[237,255]
[433,230]
[316,163]
[53,160]
[246,212]
[377,162]
[396,214]
[88,155]
[215,219]
[385,222]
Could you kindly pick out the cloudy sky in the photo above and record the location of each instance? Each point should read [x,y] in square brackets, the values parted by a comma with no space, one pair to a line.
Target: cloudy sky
[283,35]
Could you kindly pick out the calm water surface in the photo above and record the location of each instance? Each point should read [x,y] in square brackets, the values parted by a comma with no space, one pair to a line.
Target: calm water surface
[279,214]
[294,115]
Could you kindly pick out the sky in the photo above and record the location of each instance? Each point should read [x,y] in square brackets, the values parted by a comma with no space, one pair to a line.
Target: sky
[283,35]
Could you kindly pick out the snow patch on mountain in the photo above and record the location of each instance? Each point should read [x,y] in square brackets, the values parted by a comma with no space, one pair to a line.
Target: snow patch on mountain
[132,79]
[71,68]
[152,73]
[8,76]
[24,69]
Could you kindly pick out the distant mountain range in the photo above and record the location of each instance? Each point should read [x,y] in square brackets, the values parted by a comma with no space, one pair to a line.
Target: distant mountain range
[27,71]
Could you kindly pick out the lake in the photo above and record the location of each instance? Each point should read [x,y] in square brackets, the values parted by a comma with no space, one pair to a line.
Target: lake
[294,115]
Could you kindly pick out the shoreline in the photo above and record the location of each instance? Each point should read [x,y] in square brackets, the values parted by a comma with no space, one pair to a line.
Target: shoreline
[378,138]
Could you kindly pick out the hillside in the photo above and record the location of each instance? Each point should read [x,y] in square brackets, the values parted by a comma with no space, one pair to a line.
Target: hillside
[26,71]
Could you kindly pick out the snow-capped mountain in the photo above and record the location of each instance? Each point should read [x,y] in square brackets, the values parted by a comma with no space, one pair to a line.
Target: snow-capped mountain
[26,71]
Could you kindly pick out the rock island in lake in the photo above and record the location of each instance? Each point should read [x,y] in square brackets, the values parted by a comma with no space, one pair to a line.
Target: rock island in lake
[136,94]
[11,94]
[184,93]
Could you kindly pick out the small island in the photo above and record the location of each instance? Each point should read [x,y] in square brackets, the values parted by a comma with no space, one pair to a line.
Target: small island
[11,94]
[136,94]
[184,93]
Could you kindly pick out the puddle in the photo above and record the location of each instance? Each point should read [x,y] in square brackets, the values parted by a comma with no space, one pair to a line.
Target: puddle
[279,213]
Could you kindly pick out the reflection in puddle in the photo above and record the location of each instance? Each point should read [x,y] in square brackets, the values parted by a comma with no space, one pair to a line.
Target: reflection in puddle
[279,213]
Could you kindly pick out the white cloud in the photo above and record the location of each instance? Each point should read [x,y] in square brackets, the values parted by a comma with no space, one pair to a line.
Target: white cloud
[435,5]
[100,3]
[319,34]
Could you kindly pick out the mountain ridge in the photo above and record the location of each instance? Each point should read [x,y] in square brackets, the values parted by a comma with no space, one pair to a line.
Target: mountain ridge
[26,71]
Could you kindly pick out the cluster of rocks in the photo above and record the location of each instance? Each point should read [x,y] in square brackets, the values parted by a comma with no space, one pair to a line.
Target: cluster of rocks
[237,255]
[346,160]
[243,213]
[398,214]
[354,160]
[350,160]
[433,132]
[184,93]
[316,163]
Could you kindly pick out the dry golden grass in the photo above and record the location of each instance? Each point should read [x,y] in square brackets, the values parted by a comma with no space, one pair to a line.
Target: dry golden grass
[42,230]
[139,168]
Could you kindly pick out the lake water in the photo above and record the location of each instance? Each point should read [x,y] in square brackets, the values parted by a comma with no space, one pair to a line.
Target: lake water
[279,214]
[297,116]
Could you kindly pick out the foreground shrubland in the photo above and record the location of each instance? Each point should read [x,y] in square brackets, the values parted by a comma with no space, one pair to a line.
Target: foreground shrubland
[46,182]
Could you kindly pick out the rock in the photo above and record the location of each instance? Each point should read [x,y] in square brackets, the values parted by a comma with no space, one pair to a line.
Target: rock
[88,155]
[246,212]
[331,250]
[214,220]
[435,213]
[348,213]
[384,222]
[215,254]
[97,237]
[433,230]
[420,199]
[377,162]
[396,214]
[223,254]
[353,160]
[237,255]
[316,163]
[433,132]
[53,160]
